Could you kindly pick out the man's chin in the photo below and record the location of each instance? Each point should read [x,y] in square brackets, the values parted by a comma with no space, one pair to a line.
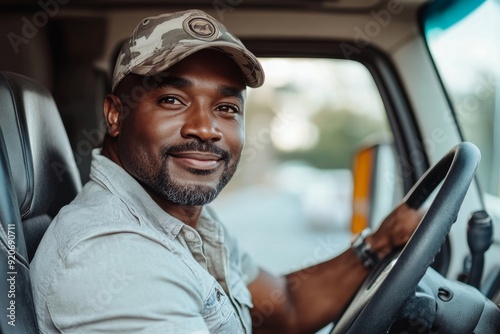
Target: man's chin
[193,194]
[205,184]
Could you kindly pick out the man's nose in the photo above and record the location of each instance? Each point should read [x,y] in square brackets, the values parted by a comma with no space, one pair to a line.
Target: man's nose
[201,123]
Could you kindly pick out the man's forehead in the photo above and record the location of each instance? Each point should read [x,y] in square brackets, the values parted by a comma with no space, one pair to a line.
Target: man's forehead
[133,82]
[204,64]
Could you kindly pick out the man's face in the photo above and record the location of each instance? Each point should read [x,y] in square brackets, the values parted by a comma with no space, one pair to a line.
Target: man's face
[183,139]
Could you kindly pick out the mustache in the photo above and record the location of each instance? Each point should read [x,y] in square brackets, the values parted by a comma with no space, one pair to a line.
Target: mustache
[208,147]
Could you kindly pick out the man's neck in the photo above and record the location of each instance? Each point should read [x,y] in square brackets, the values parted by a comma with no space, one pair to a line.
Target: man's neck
[188,214]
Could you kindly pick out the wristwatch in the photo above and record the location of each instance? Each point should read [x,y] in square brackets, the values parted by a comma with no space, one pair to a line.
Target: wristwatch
[363,249]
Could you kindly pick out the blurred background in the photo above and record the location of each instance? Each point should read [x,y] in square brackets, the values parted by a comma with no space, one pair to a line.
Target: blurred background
[289,203]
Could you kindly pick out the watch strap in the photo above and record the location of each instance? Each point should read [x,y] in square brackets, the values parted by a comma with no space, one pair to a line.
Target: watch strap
[363,249]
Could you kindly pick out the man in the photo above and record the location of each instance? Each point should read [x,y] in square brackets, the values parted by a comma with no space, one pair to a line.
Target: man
[137,251]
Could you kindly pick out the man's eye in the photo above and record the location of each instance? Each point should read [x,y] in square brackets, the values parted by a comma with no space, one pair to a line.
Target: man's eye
[228,108]
[169,100]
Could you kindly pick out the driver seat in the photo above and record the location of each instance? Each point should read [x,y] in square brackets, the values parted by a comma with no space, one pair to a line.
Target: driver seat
[43,177]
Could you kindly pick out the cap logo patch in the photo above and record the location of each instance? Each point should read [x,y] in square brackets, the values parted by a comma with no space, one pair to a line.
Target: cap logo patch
[201,28]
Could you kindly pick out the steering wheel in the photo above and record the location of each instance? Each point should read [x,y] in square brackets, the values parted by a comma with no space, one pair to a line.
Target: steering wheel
[379,299]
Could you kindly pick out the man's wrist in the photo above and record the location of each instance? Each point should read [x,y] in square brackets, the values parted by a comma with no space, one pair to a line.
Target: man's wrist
[363,249]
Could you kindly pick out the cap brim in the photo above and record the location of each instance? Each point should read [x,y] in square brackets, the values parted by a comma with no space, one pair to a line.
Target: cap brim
[246,61]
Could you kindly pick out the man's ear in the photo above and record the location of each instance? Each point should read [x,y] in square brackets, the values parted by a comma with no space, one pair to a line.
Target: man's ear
[112,114]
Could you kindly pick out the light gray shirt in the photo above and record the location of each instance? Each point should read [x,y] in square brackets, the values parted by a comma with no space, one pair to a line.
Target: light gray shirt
[113,261]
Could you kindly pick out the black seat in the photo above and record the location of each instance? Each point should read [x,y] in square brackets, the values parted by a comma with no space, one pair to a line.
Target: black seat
[44,178]
[15,280]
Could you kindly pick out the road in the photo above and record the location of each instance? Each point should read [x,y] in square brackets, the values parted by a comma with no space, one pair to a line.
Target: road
[271,226]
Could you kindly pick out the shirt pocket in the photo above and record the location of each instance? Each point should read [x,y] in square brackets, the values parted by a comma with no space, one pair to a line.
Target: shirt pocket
[219,314]
[241,294]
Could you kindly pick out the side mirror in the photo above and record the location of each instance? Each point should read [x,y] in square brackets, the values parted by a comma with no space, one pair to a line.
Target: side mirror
[376,185]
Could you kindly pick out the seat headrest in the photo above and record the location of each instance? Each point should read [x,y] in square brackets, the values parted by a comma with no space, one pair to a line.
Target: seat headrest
[44,171]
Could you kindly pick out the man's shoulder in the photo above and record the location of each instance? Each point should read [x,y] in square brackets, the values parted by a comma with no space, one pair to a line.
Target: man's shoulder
[93,213]
[87,228]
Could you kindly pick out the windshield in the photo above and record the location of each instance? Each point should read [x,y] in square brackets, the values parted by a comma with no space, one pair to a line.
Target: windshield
[464,41]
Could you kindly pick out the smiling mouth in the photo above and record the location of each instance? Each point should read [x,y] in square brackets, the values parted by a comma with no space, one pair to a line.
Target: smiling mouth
[198,160]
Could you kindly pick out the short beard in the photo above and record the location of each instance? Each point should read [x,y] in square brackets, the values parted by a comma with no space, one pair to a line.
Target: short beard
[189,194]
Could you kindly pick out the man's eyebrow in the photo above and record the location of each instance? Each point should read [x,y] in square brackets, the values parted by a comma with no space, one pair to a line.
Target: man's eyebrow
[176,82]
[228,91]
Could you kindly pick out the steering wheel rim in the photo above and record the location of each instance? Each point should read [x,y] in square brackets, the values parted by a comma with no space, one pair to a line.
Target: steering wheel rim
[377,302]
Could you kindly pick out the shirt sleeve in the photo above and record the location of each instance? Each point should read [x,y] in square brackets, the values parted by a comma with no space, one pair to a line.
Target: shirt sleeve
[249,268]
[124,283]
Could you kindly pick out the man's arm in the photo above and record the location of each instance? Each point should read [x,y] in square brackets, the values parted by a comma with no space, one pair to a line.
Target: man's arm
[124,283]
[307,300]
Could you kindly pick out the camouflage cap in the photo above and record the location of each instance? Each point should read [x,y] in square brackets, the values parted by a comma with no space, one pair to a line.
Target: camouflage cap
[159,42]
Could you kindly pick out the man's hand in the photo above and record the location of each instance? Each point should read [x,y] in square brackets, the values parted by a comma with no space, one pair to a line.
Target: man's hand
[307,300]
[395,230]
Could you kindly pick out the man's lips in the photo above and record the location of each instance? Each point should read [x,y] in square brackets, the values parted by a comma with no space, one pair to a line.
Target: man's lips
[198,160]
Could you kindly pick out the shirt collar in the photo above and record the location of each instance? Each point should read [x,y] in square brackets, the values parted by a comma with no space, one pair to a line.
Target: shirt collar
[121,184]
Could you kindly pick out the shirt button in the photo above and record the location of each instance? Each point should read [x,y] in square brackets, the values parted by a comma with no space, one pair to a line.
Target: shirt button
[218,295]
[189,235]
